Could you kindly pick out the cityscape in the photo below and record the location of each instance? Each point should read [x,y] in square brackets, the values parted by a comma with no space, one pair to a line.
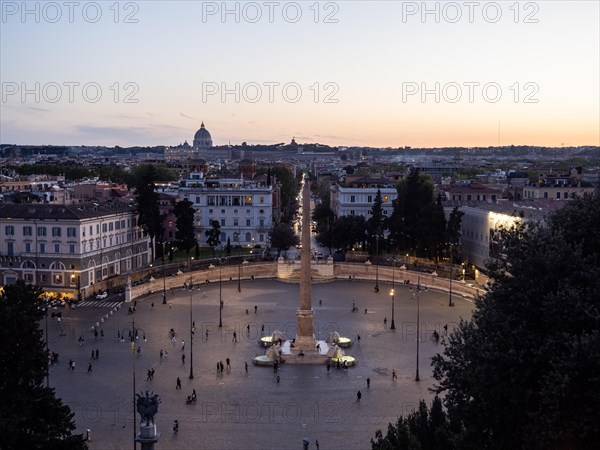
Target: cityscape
[378,220]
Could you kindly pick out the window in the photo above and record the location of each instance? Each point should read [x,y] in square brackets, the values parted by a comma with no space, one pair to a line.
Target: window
[56,248]
[351,212]
[56,231]
[42,247]
[248,237]
[248,200]
[558,195]
[235,211]
[27,231]
[110,226]
[197,199]
[247,211]
[261,200]
[28,265]
[248,222]
[545,194]
[27,247]
[9,230]
[352,199]
[57,278]
[123,224]
[235,222]
[222,211]
[386,199]
[71,232]
[261,222]
[369,199]
[10,249]
[104,228]
[41,231]
[97,228]
[210,200]
[222,222]
[91,246]
[385,212]
[261,237]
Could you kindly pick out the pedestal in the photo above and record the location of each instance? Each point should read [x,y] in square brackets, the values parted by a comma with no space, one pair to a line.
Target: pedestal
[148,436]
[305,323]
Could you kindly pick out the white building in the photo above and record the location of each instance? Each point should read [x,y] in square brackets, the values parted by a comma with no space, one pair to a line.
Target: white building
[357,200]
[243,208]
[68,248]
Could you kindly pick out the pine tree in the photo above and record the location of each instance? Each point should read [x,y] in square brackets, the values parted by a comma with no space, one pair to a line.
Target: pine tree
[185,234]
[31,417]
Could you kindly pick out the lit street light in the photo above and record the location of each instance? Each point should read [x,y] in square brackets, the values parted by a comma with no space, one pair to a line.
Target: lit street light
[220,296]
[393,325]
[418,328]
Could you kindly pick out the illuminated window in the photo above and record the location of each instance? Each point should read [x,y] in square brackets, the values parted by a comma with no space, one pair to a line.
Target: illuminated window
[385,198]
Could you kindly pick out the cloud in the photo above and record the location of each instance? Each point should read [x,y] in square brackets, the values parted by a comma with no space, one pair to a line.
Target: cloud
[188,117]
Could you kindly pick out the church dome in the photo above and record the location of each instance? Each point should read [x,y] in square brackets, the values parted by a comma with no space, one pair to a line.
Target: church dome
[202,138]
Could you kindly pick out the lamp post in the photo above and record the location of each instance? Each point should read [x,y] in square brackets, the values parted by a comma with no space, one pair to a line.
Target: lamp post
[220,295]
[191,331]
[377,264]
[133,376]
[450,294]
[46,339]
[164,302]
[237,238]
[418,328]
[393,325]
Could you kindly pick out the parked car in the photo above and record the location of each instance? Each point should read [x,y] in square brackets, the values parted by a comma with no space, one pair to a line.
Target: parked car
[102,295]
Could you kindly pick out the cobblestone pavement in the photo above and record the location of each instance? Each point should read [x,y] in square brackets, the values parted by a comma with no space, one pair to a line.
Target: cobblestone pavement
[249,410]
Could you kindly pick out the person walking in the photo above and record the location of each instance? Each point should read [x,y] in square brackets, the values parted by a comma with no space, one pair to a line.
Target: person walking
[228,363]
[246,366]
[178,384]
[89,368]
[394,375]
[206,334]
[248,328]
[368,383]
[358,396]
[234,337]
[182,345]
[255,309]
[385,321]
[92,357]
[358,338]
[97,354]
[183,358]
[139,350]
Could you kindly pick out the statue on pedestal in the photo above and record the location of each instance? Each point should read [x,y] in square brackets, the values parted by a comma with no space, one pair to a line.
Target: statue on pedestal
[147,406]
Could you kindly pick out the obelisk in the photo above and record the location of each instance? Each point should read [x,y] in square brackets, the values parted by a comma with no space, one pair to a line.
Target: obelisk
[305,339]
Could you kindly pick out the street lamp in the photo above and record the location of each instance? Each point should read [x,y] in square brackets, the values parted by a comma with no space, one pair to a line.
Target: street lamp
[191,331]
[237,239]
[377,264]
[418,332]
[393,325]
[133,375]
[164,302]
[220,295]
[450,295]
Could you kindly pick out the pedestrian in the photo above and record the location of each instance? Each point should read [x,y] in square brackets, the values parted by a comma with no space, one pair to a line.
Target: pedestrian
[234,337]
[394,375]
[149,376]
[218,367]
[97,353]
[365,310]
[178,384]
[328,366]
[222,367]
[183,358]
[248,328]
[89,368]
[139,350]
[446,329]
[182,345]
[170,306]
[358,338]
[95,334]
[262,328]
[368,383]
[73,366]
[152,305]
[228,364]
[255,309]
[101,333]
[384,321]
[246,311]
[161,353]
[358,396]
[152,374]
[206,334]
[92,357]
[70,364]
[320,303]
[317,444]
[278,378]
[246,366]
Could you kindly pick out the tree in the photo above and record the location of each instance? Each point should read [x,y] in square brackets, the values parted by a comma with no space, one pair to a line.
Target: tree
[376,223]
[524,371]
[289,188]
[213,235]
[149,217]
[282,237]
[324,218]
[415,215]
[453,227]
[185,234]
[348,231]
[228,248]
[423,429]
[30,414]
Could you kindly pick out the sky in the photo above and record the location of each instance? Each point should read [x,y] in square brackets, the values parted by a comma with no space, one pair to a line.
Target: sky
[345,73]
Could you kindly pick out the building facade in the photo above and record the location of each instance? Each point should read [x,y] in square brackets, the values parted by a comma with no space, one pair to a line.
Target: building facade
[67,248]
[358,201]
[244,209]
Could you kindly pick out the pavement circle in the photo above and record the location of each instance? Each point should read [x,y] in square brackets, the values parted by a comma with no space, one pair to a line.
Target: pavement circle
[253,408]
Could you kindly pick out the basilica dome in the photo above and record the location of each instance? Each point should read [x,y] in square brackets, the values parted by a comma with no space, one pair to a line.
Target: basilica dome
[202,138]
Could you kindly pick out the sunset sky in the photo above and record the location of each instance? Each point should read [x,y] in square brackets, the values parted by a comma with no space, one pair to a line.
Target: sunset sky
[354,73]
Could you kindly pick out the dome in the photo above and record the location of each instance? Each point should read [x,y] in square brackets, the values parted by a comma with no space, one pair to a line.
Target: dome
[202,138]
